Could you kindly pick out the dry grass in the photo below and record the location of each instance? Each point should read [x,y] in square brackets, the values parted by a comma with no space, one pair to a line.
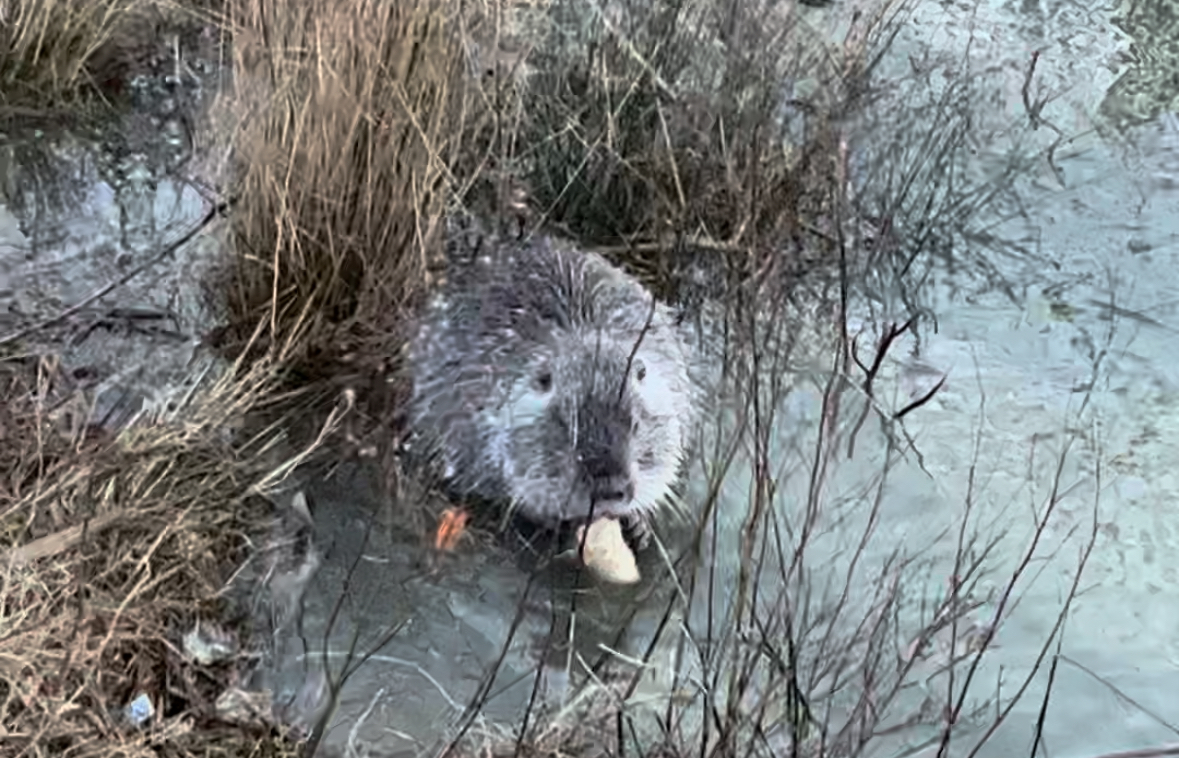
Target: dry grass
[662,133]
[115,543]
[118,541]
[349,114]
[60,58]
[350,117]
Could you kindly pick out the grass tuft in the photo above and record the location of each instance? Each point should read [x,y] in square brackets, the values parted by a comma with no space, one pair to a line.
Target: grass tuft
[348,114]
[115,543]
[674,133]
[59,58]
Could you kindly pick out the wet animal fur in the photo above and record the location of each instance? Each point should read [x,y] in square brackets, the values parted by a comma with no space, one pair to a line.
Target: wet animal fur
[546,377]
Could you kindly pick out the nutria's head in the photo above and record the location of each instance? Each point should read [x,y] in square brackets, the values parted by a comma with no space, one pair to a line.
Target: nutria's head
[594,424]
[548,377]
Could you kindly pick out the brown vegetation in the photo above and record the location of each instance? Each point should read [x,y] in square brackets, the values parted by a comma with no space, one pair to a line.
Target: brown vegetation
[65,59]
[349,116]
[115,543]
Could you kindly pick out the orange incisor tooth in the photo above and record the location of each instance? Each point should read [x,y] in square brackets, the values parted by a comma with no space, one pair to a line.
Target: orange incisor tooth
[451,528]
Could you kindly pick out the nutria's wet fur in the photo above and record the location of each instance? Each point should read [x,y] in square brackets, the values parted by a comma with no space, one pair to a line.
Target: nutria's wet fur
[547,378]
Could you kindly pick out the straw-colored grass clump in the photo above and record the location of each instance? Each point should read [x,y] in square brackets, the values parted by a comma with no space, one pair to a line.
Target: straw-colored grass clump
[349,117]
[115,544]
[118,542]
[62,61]
[349,111]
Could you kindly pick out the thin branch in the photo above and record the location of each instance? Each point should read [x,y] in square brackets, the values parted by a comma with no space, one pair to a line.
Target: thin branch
[213,212]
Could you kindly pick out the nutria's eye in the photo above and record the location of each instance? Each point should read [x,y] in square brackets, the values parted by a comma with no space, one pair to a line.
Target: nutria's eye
[640,371]
[544,381]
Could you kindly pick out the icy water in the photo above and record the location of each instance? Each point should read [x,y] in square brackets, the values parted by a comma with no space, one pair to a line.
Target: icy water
[1078,360]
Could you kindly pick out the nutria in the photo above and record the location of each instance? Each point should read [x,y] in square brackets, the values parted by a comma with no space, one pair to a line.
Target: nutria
[547,378]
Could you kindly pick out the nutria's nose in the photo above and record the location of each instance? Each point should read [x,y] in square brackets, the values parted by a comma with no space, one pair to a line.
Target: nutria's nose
[608,478]
[602,451]
[612,490]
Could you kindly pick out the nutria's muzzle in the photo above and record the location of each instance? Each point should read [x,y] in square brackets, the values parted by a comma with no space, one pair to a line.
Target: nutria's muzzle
[603,449]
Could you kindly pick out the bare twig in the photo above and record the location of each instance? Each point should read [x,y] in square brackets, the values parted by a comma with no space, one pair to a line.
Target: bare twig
[212,213]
